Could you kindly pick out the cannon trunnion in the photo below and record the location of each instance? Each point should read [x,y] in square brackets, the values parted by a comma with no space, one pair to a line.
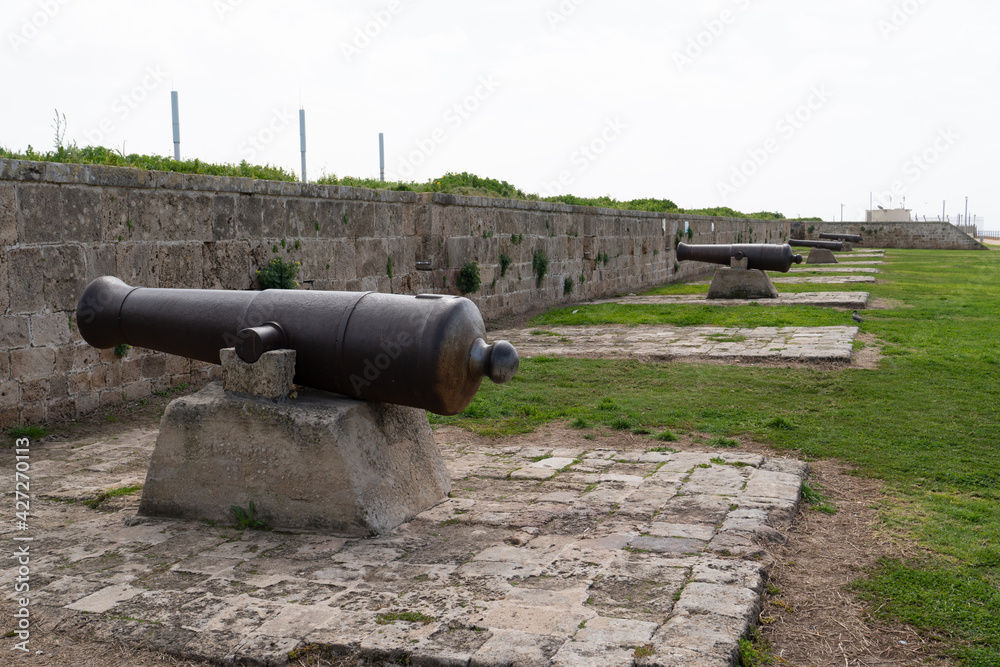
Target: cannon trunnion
[426,351]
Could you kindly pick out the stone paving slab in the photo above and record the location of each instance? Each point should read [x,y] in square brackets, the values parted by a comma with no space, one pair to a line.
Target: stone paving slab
[850,300]
[857,262]
[834,269]
[618,549]
[831,280]
[662,343]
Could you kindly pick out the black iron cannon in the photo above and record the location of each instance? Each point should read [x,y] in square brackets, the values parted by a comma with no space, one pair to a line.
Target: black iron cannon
[426,351]
[829,245]
[763,256]
[850,238]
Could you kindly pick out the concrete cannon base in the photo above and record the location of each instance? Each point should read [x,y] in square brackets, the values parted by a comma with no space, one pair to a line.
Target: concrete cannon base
[821,256]
[317,462]
[730,283]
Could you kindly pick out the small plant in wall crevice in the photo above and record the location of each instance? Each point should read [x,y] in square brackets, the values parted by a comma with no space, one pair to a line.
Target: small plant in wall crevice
[539,266]
[468,278]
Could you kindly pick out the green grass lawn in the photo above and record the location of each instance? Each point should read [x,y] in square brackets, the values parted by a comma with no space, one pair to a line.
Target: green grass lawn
[924,422]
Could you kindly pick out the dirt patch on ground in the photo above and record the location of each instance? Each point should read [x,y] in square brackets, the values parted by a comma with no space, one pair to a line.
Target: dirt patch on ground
[882,303]
[809,616]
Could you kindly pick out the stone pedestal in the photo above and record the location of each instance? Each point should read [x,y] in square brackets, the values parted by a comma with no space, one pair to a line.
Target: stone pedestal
[314,461]
[821,256]
[730,283]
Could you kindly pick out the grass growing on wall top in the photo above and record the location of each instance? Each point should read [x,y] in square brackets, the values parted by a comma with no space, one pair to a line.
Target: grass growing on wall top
[462,183]
[109,157]
[924,422]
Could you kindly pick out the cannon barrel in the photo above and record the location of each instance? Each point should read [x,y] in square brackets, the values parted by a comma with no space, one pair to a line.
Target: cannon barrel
[426,351]
[763,256]
[850,238]
[829,245]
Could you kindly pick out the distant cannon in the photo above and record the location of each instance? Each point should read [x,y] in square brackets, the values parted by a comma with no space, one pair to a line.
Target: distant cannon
[763,256]
[426,351]
[829,245]
[742,274]
[852,238]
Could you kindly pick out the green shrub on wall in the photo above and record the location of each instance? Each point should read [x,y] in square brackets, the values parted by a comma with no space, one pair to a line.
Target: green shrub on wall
[567,285]
[539,265]
[279,274]
[468,278]
[505,263]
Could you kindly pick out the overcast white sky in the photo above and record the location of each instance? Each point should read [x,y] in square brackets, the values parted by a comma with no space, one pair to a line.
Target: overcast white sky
[797,106]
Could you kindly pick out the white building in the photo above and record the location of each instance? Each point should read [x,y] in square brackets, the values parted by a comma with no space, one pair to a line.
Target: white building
[888,215]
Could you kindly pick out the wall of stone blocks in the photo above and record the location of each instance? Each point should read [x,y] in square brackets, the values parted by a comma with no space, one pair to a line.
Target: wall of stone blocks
[924,235]
[61,226]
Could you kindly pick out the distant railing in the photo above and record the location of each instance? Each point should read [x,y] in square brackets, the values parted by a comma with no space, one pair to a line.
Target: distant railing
[986,234]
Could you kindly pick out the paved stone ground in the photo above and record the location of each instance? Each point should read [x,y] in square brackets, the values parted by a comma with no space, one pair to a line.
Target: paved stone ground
[657,342]
[830,280]
[570,556]
[851,300]
[803,268]
[842,260]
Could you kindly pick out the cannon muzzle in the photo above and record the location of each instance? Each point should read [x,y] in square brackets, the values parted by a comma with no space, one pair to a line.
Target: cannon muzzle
[426,351]
[763,256]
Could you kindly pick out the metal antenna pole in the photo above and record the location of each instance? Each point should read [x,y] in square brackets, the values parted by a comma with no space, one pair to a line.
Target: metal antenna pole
[302,140]
[381,157]
[175,113]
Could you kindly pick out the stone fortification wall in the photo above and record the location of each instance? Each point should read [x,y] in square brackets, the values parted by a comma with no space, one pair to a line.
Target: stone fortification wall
[61,226]
[926,235]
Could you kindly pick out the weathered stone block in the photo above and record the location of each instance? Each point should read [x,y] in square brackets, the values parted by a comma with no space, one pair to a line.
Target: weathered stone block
[821,256]
[64,274]
[59,213]
[269,377]
[14,331]
[320,462]
[181,265]
[35,390]
[137,264]
[8,215]
[274,218]
[167,215]
[51,329]
[9,393]
[371,256]
[227,265]
[223,217]
[32,362]
[25,273]
[101,260]
[301,216]
[248,217]
[741,284]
